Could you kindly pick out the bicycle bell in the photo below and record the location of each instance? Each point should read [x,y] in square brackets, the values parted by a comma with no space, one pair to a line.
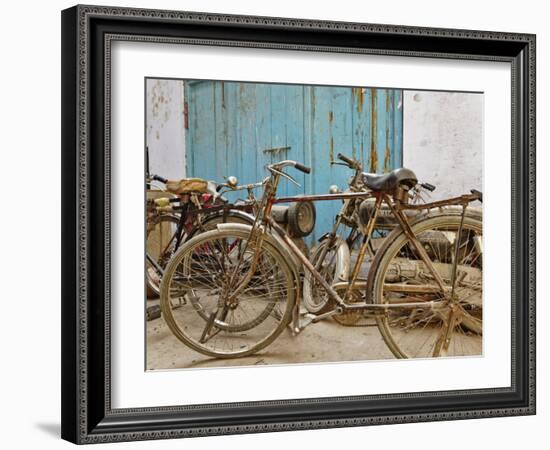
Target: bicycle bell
[232,182]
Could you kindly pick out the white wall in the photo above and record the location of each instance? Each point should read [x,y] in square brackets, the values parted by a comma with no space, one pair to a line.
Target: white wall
[442,136]
[443,140]
[165,135]
[29,335]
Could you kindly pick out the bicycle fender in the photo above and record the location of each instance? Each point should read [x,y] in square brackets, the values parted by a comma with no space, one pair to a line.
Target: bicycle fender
[216,215]
[230,213]
[343,259]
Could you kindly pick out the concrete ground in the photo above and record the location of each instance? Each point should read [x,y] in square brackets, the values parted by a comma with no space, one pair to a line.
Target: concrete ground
[326,341]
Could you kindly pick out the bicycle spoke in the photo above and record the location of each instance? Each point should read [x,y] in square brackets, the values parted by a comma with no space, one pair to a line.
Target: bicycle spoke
[218,319]
[417,333]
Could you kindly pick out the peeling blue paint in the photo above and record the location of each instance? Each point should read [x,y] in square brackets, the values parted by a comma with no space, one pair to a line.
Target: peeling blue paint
[233,128]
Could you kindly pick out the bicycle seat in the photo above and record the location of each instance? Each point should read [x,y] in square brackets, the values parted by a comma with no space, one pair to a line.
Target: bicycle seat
[187,186]
[388,182]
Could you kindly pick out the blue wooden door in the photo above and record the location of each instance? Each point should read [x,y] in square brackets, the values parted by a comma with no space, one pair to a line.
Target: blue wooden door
[237,128]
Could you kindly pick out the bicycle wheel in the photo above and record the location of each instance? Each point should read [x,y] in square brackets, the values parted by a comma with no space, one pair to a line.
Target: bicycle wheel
[160,246]
[208,223]
[400,276]
[245,293]
[161,240]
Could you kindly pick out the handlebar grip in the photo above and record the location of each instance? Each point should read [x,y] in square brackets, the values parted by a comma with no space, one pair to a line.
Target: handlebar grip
[159,178]
[302,168]
[344,158]
[478,193]
[428,186]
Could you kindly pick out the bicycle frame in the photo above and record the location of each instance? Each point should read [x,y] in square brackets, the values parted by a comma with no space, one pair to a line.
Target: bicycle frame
[255,270]
[397,208]
[189,213]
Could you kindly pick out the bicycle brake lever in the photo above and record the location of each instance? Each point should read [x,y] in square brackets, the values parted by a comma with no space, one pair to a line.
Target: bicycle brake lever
[287,176]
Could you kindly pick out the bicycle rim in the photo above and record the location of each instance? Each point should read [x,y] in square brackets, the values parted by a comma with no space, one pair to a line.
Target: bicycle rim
[211,306]
[160,246]
[400,276]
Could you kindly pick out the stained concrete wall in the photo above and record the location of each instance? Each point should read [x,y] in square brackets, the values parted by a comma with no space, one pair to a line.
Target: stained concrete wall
[442,136]
[443,140]
[165,134]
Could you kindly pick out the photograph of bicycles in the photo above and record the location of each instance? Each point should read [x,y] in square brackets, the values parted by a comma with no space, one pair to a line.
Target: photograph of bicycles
[353,236]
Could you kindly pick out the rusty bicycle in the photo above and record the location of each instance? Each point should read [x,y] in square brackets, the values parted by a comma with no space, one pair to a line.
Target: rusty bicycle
[182,208]
[236,287]
[337,249]
[189,206]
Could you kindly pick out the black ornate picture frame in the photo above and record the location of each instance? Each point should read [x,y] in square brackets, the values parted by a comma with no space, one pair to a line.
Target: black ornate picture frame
[87,35]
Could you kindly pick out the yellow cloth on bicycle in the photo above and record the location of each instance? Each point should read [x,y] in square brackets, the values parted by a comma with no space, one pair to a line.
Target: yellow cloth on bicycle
[187,185]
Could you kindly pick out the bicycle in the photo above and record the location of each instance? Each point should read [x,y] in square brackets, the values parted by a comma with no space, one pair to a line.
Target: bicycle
[192,205]
[187,207]
[333,255]
[426,298]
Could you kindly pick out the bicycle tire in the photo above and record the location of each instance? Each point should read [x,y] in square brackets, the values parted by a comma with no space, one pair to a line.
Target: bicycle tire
[207,221]
[314,297]
[192,281]
[403,333]
[152,278]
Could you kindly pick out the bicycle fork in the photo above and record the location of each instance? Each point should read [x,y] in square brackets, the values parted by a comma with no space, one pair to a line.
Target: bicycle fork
[364,247]
[445,337]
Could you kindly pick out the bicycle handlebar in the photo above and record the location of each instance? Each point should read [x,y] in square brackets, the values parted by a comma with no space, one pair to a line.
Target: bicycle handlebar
[158,178]
[344,158]
[240,187]
[351,162]
[288,162]
[479,194]
[302,168]
[428,186]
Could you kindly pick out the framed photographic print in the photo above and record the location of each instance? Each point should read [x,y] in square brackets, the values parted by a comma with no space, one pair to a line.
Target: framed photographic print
[281,224]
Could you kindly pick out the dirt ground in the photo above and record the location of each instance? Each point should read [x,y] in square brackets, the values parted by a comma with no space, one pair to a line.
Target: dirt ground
[326,341]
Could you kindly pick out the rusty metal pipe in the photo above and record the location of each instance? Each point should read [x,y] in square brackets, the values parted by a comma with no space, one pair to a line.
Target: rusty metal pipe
[321,197]
[460,200]
[307,263]
[365,246]
[402,219]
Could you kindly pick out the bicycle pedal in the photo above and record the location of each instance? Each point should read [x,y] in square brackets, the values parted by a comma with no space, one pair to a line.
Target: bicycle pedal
[305,320]
[153,312]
